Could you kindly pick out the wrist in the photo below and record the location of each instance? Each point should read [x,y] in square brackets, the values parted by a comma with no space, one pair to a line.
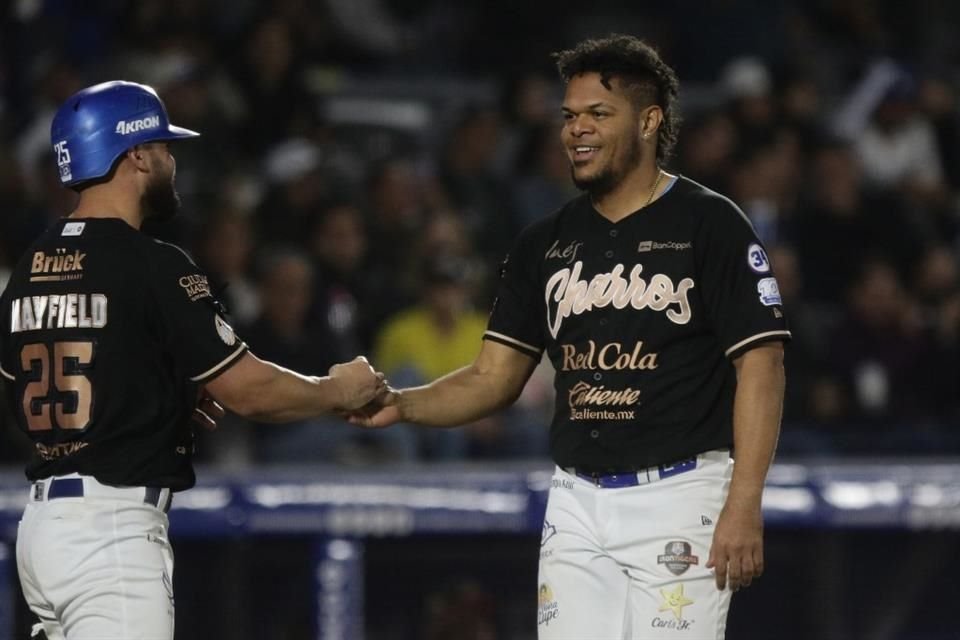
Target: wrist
[744,499]
[402,403]
[337,393]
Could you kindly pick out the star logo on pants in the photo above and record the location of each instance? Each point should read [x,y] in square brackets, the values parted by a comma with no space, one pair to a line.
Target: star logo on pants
[674,601]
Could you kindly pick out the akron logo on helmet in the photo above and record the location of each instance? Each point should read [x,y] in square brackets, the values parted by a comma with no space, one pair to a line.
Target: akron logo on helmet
[125,128]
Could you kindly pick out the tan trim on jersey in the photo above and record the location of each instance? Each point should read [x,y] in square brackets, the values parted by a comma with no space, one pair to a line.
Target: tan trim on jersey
[513,341]
[223,363]
[759,336]
[6,375]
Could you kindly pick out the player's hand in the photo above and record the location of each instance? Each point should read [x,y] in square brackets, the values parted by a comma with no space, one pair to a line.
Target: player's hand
[383,411]
[737,550]
[207,411]
[357,383]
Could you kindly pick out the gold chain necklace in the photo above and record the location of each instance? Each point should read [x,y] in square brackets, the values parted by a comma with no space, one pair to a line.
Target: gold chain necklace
[656,183]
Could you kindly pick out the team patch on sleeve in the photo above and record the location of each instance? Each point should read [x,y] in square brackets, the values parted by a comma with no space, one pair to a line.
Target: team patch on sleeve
[225,331]
[757,259]
[196,286]
[769,292]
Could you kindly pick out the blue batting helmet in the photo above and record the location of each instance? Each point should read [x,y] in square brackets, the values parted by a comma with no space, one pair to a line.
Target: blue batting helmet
[97,125]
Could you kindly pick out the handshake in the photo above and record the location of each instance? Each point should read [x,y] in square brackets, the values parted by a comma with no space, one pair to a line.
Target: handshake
[365,397]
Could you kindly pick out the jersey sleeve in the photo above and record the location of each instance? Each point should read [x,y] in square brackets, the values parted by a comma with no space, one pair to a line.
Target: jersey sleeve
[197,333]
[739,290]
[518,317]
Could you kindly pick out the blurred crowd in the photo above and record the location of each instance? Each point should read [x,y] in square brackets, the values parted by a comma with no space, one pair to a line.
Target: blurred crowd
[365,165]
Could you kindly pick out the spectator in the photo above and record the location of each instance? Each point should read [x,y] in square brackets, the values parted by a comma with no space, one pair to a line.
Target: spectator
[467,174]
[841,224]
[438,335]
[342,297]
[542,176]
[281,334]
[225,251]
[879,351]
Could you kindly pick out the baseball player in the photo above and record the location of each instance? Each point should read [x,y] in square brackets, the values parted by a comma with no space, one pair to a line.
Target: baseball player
[658,308]
[106,339]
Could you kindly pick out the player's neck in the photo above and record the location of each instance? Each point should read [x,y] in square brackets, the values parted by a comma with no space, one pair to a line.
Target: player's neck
[107,201]
[638,189]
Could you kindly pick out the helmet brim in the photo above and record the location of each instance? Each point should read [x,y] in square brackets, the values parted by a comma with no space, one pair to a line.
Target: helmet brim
[177,133]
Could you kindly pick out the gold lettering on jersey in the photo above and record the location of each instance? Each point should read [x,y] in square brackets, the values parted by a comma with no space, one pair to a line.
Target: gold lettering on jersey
[609,357]
[588,402]
[574,296]
[59,450]
[196,286]
[57,267]
[67,311]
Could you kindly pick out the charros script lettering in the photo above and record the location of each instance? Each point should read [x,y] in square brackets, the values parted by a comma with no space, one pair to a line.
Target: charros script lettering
[567,294]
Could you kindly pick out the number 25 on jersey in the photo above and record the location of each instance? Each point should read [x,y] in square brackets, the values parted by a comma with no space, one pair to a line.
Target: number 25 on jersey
[67,392]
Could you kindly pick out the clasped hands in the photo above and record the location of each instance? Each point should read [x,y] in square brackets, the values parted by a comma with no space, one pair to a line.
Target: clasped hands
[366,399]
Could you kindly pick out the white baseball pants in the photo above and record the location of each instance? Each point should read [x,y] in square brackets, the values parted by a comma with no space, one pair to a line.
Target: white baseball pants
[97,566]
[627,562]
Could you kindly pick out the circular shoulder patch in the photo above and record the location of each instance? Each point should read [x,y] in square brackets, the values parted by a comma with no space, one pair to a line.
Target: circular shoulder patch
[757,259]
[225,331]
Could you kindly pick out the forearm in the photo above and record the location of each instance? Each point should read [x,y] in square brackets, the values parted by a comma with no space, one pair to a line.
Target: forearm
[287,396]
[757,410]
[464,396]
[266,392]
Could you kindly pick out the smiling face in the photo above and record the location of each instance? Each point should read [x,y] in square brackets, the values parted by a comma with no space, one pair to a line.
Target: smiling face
[601,133]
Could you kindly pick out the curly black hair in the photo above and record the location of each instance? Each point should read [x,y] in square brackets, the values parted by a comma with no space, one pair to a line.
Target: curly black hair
[645,77]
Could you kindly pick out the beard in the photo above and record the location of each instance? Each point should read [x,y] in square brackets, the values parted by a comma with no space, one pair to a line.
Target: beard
[160,201]
[610,176]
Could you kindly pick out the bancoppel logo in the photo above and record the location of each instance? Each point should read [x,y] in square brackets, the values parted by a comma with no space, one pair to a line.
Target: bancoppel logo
[678,557]
[650,245]
[125,128]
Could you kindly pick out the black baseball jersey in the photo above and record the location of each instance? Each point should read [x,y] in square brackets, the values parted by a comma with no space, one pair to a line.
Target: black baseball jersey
[641,319]
[105,337]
